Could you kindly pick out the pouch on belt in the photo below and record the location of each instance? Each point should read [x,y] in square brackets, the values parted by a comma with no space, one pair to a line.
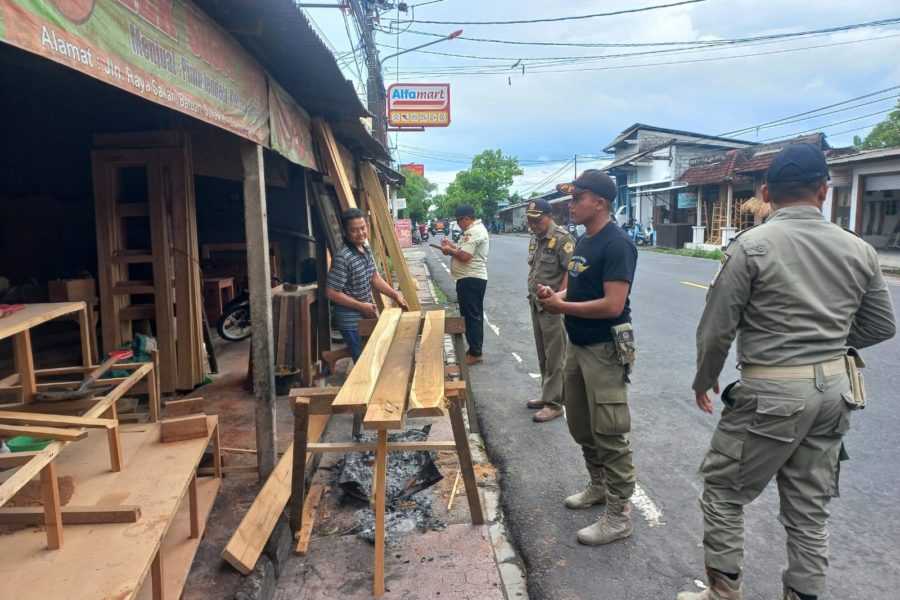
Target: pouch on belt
[626,349]
[857,386]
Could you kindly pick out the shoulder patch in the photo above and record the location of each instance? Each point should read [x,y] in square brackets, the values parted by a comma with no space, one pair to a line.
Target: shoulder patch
[552,243]
[755,247]
[569,247]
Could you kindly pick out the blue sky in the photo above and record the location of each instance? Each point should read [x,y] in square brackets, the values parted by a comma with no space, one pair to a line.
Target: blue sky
[554,112]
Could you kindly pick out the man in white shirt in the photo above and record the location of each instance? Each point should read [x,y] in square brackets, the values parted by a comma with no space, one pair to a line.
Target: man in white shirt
[469,269]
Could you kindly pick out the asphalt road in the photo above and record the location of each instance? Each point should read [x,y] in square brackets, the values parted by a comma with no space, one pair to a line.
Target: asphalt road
[540,464]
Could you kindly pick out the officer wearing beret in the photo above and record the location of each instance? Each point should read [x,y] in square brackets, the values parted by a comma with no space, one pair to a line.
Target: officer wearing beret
[549,252]
[801,294]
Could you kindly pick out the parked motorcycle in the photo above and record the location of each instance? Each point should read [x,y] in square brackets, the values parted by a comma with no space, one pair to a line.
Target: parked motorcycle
[234,324]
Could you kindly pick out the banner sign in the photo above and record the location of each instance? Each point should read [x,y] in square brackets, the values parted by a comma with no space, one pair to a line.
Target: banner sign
[417,168]
[419,104]
[403,228]
[166,51]
[291,128]
[686,200]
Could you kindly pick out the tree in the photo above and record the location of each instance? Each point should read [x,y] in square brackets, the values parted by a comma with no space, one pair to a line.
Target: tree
[883,135]
[483,184]
[417,190]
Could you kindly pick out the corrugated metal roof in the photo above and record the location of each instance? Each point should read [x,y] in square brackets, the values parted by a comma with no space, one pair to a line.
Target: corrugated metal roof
[625,134]
[863,155]
[278,35]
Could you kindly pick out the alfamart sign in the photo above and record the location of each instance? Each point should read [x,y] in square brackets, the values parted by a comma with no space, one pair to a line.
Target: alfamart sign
[419,104]
[167,51]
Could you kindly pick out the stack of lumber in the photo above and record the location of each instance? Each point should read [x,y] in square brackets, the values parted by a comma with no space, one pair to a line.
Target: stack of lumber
[292,323]
[148,259]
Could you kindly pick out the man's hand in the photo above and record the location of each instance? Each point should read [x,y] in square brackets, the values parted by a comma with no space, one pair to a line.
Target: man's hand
[401,301]
[553,303]
[544,291]
[447,247]
[703,401]
[369,310]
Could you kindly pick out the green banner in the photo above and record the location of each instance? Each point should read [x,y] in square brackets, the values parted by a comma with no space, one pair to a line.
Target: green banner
[166,51]
[291,128]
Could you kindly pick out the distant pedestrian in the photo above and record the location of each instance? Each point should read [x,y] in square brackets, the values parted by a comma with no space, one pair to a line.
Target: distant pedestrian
[351,279]
[600,354]
[549,253]
[798,292]
[469,269]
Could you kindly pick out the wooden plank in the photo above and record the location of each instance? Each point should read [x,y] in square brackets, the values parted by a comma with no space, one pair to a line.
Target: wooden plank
[379,206]
[137,312]
[158,576]
[27,418]
[250,538]
[186,406]
[380,477]
[35,314]
[52,513]
[178,429]
[426,397]
[387,406]
[128,288]
[344,447]
[330,392]
[463,452]
[53,433]
[72,515]
[452,325]
[194,508]
[310,508]
[358,388]
[334,165]
[298,476]
[9,460]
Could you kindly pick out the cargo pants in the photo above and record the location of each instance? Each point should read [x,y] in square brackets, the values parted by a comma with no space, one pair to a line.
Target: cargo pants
[790,430]
[550,342]
[596,399]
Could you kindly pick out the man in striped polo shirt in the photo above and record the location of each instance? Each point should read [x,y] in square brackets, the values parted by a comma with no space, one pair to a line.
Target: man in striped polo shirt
[351,279]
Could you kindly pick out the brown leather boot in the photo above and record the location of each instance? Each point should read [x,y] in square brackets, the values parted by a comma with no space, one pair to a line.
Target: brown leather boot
[548,413]
[472,360]
[721,587]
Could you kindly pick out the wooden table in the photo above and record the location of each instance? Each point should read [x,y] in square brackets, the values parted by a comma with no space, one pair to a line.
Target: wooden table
[217,292]
[113,560]
[400,374]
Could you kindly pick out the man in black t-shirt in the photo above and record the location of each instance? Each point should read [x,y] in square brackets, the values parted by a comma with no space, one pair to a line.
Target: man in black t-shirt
[601,272]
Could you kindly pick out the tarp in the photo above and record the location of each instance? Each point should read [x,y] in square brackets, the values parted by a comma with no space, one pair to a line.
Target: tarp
[290,128]
[166,51]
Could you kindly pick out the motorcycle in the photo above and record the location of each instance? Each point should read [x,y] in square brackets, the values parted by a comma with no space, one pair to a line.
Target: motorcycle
[423,232]
[234,324]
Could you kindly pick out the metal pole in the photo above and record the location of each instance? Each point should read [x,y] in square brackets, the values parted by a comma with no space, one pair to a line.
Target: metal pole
[260,282]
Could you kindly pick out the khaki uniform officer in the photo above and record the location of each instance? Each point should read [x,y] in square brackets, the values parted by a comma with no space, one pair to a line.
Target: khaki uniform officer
[597,313]
[549,252]
[799,292]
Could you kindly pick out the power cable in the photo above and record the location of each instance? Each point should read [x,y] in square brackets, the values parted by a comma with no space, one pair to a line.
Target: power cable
[557,19]
[795,134]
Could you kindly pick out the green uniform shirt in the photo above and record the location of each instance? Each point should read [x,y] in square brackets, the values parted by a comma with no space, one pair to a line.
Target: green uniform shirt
[796,290]
[548,258]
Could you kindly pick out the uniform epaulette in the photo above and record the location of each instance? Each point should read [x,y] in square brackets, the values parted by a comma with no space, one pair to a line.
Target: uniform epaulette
[740,233]
[848,230]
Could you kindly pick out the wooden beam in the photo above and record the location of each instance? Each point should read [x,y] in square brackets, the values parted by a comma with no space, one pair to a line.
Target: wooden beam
[452,326]
[178,429]
[53,433]
[360,384]
[72,515]
[52,510]
[380,484]
[260,283]
[310,508]
[387,406]
[298,476]
[250,538]
[28,418]
[426,397]
[334,164]
[25,364]
[9,460]
[464,453]
[344,447]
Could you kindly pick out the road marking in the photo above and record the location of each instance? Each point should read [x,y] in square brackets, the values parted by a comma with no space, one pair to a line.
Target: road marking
[446,268]
[493,327]
[534,375]
[648,508]
[517,357]
[696,285]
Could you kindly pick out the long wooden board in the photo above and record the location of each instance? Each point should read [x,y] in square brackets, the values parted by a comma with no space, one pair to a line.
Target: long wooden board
[357,390]
[387,406]
[35,314]
[334,164]
[28,418]
[72,515]
[426,398]
[53,433]
[379,207]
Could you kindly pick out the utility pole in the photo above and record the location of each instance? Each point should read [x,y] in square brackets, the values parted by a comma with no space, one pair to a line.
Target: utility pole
[364,12]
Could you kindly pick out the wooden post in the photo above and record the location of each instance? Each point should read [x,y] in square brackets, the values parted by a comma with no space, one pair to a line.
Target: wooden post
[323,311]
[25,365]
[465,460]
[52,510]
[157,576]
[194,508]
[260,283]
[459,348]
[217,452]
[88,352]
[729,200]
[379,483]
[154,391]
[298,476]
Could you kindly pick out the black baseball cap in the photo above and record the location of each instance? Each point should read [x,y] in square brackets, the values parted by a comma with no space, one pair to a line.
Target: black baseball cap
[593,180]
[797,163]
[537,208]
[464,210]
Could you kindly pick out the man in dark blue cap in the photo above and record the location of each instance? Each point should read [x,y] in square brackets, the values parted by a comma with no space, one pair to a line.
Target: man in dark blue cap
[801,295]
